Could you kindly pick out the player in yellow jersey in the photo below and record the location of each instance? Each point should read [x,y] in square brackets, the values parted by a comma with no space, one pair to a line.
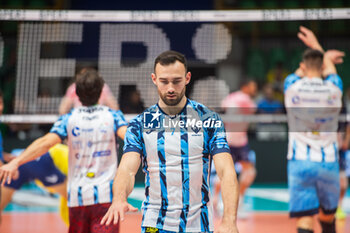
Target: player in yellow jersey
[50,171]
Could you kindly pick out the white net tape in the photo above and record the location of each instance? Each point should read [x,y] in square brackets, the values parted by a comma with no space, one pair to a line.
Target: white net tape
[176,16]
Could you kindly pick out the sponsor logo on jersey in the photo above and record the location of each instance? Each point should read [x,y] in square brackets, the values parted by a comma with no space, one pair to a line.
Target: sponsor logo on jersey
[310,100]
[295,99]
[331,99]
[195,129]
[101,153]
[90,175]
[151,230]
[78,156]
[90,118]
[91,109]
[76,131]
[52,178]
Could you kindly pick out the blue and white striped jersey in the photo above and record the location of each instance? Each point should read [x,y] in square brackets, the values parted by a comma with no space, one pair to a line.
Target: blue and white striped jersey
[176,156]
[313,106]
[91,133]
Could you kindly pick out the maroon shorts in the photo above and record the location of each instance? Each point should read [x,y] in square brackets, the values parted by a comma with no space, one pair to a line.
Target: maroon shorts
[86,219]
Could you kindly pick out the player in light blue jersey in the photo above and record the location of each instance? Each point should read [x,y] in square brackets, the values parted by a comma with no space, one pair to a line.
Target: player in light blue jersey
[91,131]
[313,100]
[176,141]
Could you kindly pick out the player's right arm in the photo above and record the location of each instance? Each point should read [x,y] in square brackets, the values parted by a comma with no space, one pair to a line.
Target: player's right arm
[309,38]
[331,57]
[122,187]
[125,178]
[35,150]
[67,100]
[39,147]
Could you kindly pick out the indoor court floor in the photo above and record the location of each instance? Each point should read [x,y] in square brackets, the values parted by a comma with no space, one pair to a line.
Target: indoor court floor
[267,206]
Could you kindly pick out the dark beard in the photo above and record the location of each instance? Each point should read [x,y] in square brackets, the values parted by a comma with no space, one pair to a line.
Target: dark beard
[173,102]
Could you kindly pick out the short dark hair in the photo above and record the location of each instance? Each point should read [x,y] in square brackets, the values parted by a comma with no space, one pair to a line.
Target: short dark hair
[170,57]
[88,86]
[313,58]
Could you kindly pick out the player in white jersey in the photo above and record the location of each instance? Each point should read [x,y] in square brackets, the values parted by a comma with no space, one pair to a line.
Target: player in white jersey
[71,100]
[176,140]
[313,100]
[91,131]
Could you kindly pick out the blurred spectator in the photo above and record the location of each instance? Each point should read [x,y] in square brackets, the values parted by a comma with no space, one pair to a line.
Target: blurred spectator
[240,102]
[275,77]
[268,104]
[71,100]
[133,103]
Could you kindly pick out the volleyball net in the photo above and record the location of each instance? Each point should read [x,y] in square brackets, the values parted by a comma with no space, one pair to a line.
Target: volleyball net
[41,50]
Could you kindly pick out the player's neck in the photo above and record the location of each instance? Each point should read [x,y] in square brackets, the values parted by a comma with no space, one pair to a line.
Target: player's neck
[313,73]
[172,110]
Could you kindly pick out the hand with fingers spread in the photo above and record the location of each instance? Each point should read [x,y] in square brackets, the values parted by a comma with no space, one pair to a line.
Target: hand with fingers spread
[116,212]
[309,38]
[8,172]
[330,58]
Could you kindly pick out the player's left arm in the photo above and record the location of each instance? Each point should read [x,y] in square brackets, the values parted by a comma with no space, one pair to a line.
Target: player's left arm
[121,131]
[120,124]
[33,151]
[229,191]
[330,58]
[226,172]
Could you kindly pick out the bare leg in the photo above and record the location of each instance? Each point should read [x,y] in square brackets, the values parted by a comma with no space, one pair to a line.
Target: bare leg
[306,223]
[6,196]
[247,176]
[61,189]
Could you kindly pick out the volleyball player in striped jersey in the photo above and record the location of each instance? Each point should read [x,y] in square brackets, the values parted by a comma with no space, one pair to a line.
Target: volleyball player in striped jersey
[91,131]
[175,140]
[313,100]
